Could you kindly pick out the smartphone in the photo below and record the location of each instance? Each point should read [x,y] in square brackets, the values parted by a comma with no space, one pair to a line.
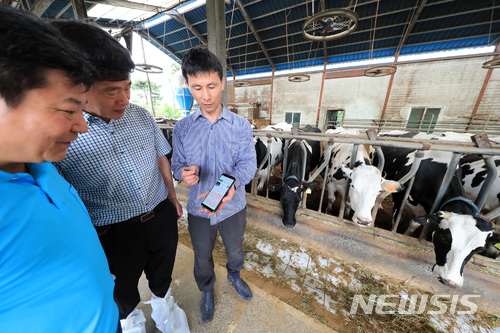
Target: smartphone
[214,198]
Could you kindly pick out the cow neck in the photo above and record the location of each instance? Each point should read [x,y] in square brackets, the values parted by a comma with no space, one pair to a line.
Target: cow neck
[460,198]
[295,162]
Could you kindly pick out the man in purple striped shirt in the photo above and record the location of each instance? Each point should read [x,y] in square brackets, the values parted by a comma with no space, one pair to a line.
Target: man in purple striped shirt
[206,144]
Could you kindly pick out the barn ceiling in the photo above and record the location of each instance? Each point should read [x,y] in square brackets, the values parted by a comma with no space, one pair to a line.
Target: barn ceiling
[262,35]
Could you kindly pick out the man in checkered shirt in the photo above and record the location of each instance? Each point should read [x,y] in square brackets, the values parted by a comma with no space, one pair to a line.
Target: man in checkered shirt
[120,171]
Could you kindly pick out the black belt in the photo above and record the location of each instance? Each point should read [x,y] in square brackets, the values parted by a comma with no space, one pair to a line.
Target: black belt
[149,215]
[102,230]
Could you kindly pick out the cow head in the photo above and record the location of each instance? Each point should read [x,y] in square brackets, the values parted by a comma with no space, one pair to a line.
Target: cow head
[291,195]
[366,184]
[456,239]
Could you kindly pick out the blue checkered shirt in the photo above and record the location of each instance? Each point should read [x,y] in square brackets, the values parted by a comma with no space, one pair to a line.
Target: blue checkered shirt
[114,166]
[223,147]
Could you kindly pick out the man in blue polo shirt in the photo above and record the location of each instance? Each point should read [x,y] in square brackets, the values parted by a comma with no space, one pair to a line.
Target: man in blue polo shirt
[54,276]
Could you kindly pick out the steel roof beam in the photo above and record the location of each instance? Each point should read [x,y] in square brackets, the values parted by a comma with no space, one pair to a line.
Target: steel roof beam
[411,24]
[62,11]
[130,5]
[40,6]
[254,31]
[79,9]
[385,48]
[378,39]
[182,20]
[161,46]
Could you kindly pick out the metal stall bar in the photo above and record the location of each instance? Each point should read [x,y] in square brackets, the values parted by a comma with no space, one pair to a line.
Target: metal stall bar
[488,182]
[410,176]
[254,182]
[493,214]
[482,141]
[268,158]
[372,135]
[348,181]
[325,165]
[448,176]
[304,162]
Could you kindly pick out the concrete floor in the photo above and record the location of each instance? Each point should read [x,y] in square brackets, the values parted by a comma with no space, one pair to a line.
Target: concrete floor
[264,313]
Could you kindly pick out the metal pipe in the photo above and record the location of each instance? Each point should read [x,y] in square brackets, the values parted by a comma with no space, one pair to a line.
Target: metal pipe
[324,165]
[304,163]
[254,184]
[268,158]
[410,176]
[493,214]
[285,157]
[348,181]
[448,176]
[488,182]
[381,158]
[449,146]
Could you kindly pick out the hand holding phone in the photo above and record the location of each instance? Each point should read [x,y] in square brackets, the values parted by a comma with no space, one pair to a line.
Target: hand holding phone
[220,193]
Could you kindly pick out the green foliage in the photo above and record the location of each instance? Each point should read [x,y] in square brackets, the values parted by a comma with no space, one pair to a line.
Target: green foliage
[162,109]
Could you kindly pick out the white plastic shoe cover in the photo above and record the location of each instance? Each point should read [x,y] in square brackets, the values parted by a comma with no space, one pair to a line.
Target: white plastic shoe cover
[134,323]
[168,316]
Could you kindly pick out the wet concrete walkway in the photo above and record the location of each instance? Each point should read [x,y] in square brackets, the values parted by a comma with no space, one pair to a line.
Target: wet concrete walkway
[263,313]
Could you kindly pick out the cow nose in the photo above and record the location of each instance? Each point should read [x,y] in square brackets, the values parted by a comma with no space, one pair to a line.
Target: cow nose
[448,283]
[362,221]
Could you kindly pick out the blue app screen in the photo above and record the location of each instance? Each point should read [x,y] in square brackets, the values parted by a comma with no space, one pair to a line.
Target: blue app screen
[218,192]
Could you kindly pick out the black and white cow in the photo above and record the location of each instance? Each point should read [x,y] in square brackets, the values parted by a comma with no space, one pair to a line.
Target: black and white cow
[456,238]
[277,148]
[433,166]
[366,181]
[474,172]
[292,187]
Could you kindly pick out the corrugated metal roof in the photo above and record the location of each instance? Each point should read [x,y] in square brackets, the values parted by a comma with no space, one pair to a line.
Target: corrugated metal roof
[434,25]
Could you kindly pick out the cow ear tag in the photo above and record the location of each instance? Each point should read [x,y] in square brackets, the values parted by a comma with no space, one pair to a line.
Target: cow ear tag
[308,191]
[497,245]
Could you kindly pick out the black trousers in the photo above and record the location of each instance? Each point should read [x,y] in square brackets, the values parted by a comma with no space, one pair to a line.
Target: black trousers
[133,246]
[203,236]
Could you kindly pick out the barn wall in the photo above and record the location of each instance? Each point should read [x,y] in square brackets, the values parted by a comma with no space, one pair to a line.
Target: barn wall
[452,85]
[490,103]
[254,94]
[300,97]
[361,97]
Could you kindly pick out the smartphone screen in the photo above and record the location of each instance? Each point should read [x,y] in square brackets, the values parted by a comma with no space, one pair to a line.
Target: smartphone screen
[218,192]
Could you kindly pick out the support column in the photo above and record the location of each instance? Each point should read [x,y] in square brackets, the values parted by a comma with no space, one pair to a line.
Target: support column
[321,94]
[216,31]
[483,88]
[271,104]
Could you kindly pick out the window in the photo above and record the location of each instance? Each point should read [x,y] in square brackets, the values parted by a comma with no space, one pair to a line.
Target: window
[422,119]
[293,118]
[334,118]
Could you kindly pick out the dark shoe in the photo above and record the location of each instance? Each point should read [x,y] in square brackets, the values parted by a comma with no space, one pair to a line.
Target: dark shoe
[207,306]
[241,286]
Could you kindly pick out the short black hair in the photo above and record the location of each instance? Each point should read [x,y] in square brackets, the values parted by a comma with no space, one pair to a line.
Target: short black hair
[28,47]
[200,60]
[111,60]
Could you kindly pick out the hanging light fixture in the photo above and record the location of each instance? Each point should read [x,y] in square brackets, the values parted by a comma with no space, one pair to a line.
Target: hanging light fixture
[330,24]
[299,78]
[378,71]
[242,84]
[151,69]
